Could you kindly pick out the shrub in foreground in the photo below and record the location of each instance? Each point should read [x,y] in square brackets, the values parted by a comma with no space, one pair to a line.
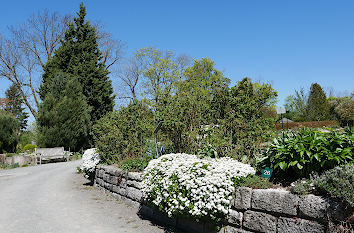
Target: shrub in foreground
[182,184]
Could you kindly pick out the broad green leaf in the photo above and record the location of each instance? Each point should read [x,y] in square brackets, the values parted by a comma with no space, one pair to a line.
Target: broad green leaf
[283,165]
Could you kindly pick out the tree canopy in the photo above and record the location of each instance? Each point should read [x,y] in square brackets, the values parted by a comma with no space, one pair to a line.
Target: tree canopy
[9,127]
[79,56]
[15,105]
[63,116]
[317,108]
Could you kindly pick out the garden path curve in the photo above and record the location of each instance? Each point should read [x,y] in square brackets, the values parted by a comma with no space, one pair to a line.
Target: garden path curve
[53,198]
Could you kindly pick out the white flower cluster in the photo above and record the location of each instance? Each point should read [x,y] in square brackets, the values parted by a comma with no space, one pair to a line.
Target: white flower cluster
[185,184]
[89,161]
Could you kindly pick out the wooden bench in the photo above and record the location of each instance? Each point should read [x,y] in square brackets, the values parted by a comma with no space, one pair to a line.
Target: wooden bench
[50,154]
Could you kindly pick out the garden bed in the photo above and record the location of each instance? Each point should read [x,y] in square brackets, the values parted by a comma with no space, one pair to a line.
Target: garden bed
[253,210]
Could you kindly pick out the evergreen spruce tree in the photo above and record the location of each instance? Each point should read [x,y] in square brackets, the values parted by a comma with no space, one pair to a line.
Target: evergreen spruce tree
[317,105]
[9,127]
[15,105]
[74,117]
[79,56]
[64,115]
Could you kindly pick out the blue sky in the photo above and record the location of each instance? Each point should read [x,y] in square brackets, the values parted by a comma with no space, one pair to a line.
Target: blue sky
[290,44]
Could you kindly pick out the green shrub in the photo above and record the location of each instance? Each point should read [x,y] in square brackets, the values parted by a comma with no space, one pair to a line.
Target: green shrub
[338,182]
[253,181]
[342,109]
[15,165]
[124,133]
[9,128]
[134,164]
[29,147]
[26,137]
[308,150]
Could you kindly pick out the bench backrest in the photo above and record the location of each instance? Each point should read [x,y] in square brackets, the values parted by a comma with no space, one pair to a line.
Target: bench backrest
[50,152]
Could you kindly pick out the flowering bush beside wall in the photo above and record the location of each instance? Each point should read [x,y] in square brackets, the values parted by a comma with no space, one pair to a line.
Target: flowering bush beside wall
[182,184]
[89,161]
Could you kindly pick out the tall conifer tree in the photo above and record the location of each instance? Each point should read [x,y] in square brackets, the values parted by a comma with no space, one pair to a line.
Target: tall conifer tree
[64,115]
[15,105]
[79,56]
[317,104]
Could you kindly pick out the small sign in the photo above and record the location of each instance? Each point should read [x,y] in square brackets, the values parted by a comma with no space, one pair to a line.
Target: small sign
[266,172]
[281,110]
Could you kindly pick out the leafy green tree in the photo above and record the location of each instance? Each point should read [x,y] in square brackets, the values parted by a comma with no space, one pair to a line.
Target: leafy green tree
[160,73]
[247,121]
[342,109]
[15,105]
[79,56]
[317,105]
[295,105]
[9,127]
[64,117]
[184,113]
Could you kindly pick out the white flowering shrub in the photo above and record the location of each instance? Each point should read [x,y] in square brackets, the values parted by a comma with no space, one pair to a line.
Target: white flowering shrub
[89,161]
[183,184]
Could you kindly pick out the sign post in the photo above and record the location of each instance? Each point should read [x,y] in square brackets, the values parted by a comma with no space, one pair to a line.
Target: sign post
[281,111]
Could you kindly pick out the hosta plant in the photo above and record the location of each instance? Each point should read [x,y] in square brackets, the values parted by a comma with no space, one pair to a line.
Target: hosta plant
[308,150]
[183,184]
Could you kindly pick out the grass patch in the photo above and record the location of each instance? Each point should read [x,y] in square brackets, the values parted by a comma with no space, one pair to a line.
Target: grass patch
[253,181]
[133,164]
[4,166]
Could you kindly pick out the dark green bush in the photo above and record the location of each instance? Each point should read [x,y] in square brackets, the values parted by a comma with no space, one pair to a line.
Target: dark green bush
[124,133]
[9,128]
[338,182]
[308,150]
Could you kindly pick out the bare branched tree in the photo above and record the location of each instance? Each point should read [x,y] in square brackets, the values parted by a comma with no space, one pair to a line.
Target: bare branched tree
[41,34]
[24,54]
[30,45]
[112,50]
[130,76]
[152,70]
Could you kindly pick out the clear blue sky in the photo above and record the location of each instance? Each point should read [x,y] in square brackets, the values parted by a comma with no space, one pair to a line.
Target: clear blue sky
[290,44]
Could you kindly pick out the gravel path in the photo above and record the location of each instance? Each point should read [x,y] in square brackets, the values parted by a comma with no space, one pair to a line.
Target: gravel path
[53,198]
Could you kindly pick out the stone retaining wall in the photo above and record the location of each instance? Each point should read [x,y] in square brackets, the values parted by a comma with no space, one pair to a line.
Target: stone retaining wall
[253,210]
[20,159]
